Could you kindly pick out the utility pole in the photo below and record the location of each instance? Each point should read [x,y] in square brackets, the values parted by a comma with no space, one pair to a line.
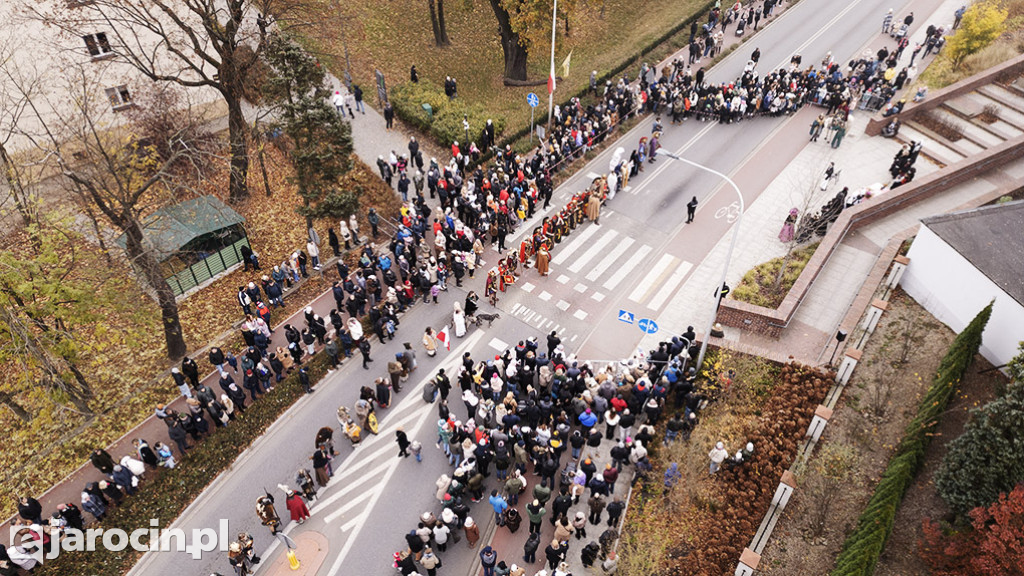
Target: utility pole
[551,79]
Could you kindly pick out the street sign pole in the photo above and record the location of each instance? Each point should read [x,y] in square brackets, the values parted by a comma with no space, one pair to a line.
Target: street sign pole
[533,101]
[531,125]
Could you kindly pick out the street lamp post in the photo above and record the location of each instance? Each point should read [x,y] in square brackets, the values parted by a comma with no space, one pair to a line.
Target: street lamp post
[728,256]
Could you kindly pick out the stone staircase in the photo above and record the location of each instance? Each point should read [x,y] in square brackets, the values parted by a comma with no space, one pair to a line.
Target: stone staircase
[986,117]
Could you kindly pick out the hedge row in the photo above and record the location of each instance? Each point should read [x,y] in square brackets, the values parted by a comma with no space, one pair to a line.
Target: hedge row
[863,547]
[446,123]
[166,495]
[411,111]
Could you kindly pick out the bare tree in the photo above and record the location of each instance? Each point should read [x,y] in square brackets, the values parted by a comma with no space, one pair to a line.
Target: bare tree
[15,104]
[437,22]
[194,43]
[124,180]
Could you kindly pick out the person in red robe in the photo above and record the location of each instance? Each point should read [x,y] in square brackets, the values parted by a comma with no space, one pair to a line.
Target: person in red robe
[297,507]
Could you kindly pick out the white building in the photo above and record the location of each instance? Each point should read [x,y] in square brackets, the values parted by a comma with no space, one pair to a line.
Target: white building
[50,60]
[961,261]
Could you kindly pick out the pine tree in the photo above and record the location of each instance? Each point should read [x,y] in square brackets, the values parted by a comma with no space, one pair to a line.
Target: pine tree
[322,152]
[988,458]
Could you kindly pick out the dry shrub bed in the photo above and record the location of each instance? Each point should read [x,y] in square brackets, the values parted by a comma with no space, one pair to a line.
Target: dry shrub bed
[702,525]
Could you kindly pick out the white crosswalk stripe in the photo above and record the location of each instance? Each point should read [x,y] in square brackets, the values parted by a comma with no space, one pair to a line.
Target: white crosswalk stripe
[563,251]
[627,267]
[594,250]
[639,294]
[668,287]
[610,259]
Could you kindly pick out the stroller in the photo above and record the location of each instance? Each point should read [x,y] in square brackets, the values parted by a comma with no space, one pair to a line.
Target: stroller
[899,32]
[741,26]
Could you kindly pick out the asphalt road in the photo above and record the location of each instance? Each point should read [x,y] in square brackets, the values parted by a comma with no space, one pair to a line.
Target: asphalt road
[634,261]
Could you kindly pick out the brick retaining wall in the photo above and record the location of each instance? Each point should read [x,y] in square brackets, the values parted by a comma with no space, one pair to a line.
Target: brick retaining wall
[771,322]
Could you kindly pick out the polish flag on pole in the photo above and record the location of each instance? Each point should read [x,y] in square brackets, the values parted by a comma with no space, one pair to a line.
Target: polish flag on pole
[551,78]
[445,338]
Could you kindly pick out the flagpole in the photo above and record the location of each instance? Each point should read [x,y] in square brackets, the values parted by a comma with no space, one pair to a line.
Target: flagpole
[551,80]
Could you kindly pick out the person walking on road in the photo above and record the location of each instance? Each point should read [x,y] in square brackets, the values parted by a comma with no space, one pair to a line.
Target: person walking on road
[296,506]
[887,22]
[472,532]
[403,443]
[691,209]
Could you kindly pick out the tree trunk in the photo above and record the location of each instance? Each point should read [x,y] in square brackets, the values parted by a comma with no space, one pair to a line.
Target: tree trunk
[8,400]
[261,143]
[239,154]
[434,24]
[513,51]
[23,203]
[146,262]
[83,384]
[445,41]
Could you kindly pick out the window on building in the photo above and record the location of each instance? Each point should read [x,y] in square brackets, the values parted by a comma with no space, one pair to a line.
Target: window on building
[120,97]
[97,44]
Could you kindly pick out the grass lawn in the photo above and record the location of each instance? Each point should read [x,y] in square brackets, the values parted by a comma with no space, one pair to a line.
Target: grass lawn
[393,35]
[126,348]
[758,285]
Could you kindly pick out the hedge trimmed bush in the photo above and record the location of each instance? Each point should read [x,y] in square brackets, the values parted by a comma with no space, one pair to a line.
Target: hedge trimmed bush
[446,126]
[169,492]
[863,547]
[406,98]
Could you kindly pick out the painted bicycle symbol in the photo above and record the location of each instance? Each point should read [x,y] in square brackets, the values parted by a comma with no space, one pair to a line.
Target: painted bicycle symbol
[730,212]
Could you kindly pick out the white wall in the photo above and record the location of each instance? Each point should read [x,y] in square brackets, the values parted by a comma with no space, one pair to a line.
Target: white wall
[954,291]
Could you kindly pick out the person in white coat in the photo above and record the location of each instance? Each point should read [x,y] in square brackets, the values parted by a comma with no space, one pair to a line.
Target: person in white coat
[314,254]
[459,321]
[355,329]
[353,225]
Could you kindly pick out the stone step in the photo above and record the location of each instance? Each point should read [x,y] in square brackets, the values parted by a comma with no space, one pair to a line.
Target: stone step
[1007,111]
[964,147]
[998,130]
[1003,95]
[975,130]
[935,150]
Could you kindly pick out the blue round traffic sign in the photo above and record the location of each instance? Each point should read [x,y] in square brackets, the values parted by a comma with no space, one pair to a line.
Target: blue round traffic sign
[532,100]
[647,325]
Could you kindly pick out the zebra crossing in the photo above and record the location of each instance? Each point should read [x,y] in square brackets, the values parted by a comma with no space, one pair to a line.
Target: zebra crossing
[593,262]
[347,501]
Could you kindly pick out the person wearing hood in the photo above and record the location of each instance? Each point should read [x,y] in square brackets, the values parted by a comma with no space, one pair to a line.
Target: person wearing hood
[717,455]
[488,559]
[472,532]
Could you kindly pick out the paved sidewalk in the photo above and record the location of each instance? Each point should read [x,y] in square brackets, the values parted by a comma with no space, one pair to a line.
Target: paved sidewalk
[864,161]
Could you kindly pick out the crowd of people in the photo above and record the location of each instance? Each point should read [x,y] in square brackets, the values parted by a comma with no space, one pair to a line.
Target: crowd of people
[525,408]
[537,416]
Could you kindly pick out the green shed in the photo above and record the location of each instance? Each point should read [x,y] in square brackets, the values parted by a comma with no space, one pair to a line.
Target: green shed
[195,240]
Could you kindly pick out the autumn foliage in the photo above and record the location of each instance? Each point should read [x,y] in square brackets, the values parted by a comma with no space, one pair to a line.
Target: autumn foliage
[992,546]
[747,490]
